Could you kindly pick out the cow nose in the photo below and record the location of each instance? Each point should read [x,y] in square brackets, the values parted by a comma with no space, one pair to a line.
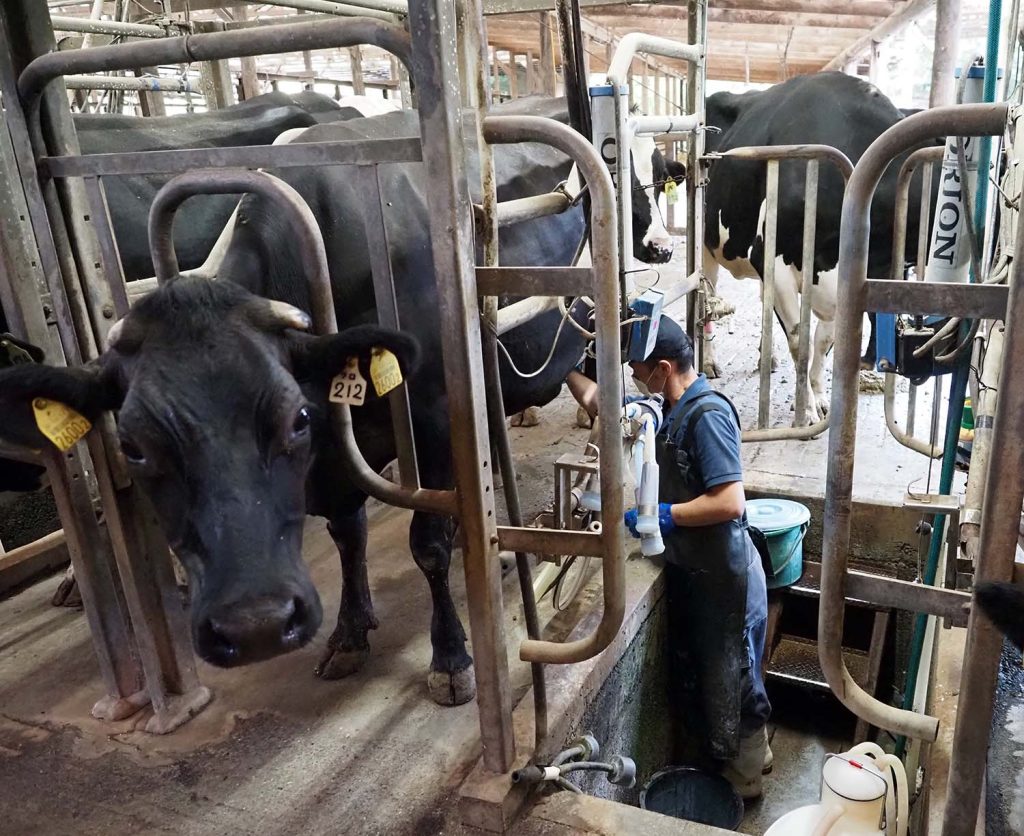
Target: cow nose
[251,630]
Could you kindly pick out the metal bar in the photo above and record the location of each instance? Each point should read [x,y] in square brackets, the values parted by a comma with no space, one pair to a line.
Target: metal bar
[435,69]
[969,301]
[803,353]
[679,123]
[112,82]
[791,152]
[925,448]
[967,120]
[527,208]
[49,542]
[534,281]
[764,395]
[696,176]
[1000,521]
[514,315]
[879,591]
[271,40]
[368,181]
[638,42]
[110,27]
[304,226]
[604,232]
[550,541]
[348,152]
[380,9]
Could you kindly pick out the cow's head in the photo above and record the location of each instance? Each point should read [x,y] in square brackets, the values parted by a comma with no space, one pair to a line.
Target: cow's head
[652,243]
[208,381]
[1004,604]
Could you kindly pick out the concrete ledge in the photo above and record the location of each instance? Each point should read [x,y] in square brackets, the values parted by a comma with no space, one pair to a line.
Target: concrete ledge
[491,802]
[597,816]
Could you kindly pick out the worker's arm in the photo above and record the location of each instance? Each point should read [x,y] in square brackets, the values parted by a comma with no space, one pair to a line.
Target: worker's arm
[720,504]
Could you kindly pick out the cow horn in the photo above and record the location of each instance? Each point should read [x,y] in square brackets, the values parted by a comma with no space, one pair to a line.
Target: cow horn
[284,315]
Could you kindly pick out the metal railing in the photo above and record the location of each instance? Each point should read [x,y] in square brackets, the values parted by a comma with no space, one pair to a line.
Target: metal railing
[858,294]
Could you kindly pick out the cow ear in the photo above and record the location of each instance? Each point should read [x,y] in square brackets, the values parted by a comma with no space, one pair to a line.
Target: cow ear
[89,390]
[1004,604]
[321,358]
[676,171]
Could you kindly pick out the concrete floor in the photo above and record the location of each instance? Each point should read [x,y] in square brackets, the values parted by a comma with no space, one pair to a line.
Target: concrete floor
[278,751]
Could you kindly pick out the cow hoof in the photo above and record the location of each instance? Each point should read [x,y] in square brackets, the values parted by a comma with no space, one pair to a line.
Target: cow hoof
[67,594]
[452,688]
[337,664]
[583,419]
[516,420]
[531,416]
[712,370]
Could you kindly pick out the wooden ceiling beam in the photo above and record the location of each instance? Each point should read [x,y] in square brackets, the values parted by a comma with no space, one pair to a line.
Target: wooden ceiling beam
[645,14]
[892,24]
[868,8]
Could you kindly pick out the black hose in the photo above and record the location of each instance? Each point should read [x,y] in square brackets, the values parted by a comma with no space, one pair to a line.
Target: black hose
[500,443]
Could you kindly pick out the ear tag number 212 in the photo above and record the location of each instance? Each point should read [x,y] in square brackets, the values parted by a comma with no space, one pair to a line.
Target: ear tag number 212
[349,386]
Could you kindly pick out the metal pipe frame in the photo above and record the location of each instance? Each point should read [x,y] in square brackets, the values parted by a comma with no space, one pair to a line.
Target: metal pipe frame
[314,266]
[110,27]
[965,120]
[772,154]
[680,123]
[696,177]
[213,46]
[926,158]
[388,10]
[629,45]
[604,239]
[161,84]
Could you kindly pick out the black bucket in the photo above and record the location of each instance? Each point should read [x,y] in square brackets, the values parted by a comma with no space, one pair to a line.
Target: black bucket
[693,795]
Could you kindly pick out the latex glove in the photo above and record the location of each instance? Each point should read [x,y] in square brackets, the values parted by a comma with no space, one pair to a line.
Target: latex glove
[630,520]
[665,521]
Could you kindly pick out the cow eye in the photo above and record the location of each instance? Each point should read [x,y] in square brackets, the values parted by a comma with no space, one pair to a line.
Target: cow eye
[301,423]
[132,453]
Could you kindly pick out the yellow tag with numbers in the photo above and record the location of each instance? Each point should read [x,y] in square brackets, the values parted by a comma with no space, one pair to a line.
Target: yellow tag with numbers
[384,371]
[671,192]
[59,423]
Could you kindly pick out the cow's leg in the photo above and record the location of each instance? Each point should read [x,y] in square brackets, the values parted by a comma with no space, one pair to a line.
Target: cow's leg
[824,337]
[348,647]
[867,362]
[710,270]
[788,281]
[451,678]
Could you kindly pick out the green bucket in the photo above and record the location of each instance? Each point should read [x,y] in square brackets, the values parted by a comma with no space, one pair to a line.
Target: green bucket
[784,524]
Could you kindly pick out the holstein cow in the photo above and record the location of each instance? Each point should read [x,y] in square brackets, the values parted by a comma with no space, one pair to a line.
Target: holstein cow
[828,109]
[222,403]
[1004,604]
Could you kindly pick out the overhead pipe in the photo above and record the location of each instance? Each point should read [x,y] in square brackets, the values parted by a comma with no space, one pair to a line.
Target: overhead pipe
[213,46]
[386,10]
[512,129]
[965,120]
[109,27]
[160,84]
[310,245]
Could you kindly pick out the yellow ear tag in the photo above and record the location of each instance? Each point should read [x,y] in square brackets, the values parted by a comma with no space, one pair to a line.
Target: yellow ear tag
[671,192]
[384,371]
[349,386]
[59,423]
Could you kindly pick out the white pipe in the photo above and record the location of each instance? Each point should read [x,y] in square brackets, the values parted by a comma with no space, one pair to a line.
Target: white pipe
[636,42]
[680,123]
[381,9]
[106,27]
[523,311]
[94,15]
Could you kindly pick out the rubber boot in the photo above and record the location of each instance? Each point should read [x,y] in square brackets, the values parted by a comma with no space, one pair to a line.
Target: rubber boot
[745,771]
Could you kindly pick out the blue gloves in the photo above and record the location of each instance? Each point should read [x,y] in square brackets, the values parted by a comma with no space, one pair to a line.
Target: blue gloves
[665,521]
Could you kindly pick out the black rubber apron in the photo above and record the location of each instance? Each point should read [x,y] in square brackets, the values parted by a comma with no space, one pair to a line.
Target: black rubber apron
[714,561]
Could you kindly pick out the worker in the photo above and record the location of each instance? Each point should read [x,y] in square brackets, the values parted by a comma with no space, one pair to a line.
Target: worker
[715,580]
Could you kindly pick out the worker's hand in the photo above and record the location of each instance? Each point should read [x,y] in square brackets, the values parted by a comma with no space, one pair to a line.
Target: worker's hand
[630,520]
[665,521]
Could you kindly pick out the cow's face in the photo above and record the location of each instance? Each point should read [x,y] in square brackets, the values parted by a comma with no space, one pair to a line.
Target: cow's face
[217,432]
[652,243]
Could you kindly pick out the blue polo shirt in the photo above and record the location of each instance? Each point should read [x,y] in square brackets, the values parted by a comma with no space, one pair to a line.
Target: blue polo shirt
[716,445]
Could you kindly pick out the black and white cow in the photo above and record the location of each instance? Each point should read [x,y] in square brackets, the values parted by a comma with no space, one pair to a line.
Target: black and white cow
[222,403]
[824,108]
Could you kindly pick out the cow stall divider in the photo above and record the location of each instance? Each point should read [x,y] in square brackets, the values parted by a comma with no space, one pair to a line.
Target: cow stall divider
[99,297]
[925,159]
[773,155]
[1005,485]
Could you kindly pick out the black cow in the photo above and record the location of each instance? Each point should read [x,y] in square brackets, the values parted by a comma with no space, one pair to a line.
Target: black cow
[825,108]
[258,121]
[222,403]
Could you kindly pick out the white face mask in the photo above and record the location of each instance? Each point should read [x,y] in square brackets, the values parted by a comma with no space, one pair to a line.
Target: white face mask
[643,386]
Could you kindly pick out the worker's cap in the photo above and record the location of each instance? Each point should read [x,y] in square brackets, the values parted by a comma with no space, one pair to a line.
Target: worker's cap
[672,342]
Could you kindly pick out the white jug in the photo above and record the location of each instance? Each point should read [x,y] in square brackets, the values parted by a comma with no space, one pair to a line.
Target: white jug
[863,793]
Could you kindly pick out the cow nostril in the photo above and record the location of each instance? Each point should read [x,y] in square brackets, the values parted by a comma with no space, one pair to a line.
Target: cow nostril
[218,646]
[296,624]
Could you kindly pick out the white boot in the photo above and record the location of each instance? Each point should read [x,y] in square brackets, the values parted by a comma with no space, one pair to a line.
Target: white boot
[746,770]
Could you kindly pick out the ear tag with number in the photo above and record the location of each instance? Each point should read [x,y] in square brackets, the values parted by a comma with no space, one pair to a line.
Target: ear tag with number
[59,423]
[349,386]
[384,371]
[671,192]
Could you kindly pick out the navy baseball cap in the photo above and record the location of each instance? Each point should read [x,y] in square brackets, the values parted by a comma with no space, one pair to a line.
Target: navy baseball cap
[672,341]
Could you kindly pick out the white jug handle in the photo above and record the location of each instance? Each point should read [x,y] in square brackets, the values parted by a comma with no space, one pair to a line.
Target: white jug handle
[824,826]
